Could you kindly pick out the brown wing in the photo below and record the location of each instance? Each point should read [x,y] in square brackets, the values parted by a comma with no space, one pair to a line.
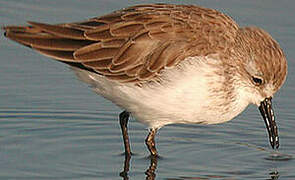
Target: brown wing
[132,44]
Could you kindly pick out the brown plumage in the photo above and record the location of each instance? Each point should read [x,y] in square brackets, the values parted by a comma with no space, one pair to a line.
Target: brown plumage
[133,44]
[136,45]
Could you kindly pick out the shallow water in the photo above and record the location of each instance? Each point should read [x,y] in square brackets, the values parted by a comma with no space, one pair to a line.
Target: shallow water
[54,127]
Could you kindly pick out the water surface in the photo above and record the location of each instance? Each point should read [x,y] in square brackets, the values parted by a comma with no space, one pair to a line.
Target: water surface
[54,127]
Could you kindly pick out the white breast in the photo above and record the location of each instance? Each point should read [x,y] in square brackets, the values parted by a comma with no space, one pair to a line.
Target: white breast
[183,96]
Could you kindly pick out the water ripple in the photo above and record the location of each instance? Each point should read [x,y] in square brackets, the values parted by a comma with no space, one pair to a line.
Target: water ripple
[277,156]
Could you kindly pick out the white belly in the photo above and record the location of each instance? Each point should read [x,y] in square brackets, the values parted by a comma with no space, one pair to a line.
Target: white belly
[184,96]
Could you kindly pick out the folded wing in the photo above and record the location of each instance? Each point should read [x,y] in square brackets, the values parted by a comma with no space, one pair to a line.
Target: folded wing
[132,44]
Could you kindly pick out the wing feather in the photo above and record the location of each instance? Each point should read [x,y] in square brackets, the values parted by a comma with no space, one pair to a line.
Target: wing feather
[48,42]
[133,44]
[66,56]
[59,30]
[95,52]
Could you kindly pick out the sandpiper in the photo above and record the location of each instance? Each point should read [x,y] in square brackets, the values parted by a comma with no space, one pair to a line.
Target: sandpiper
[167,64]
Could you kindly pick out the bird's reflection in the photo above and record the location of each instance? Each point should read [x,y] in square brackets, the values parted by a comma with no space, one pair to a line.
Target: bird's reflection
[151,175]
[126,166]
[150,172]
[274,175]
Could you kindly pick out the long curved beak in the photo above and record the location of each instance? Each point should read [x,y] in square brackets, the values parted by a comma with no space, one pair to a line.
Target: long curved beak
[267,113]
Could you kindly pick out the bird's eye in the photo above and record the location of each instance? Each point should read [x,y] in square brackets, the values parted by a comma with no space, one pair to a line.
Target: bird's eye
[257,81]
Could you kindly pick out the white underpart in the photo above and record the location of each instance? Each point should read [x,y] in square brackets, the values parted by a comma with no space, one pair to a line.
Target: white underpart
[183,96]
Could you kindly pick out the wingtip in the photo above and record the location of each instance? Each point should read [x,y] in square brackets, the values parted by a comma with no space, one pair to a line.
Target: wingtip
[4,28]
[33,23]
[38,24]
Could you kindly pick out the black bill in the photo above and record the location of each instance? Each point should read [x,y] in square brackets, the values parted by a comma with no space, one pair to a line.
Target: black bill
[267,113]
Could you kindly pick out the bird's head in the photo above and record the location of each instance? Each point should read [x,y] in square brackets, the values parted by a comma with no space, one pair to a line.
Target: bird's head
[262,71]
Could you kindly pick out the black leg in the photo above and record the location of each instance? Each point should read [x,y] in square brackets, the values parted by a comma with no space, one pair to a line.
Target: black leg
[124,116]
[150,142]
